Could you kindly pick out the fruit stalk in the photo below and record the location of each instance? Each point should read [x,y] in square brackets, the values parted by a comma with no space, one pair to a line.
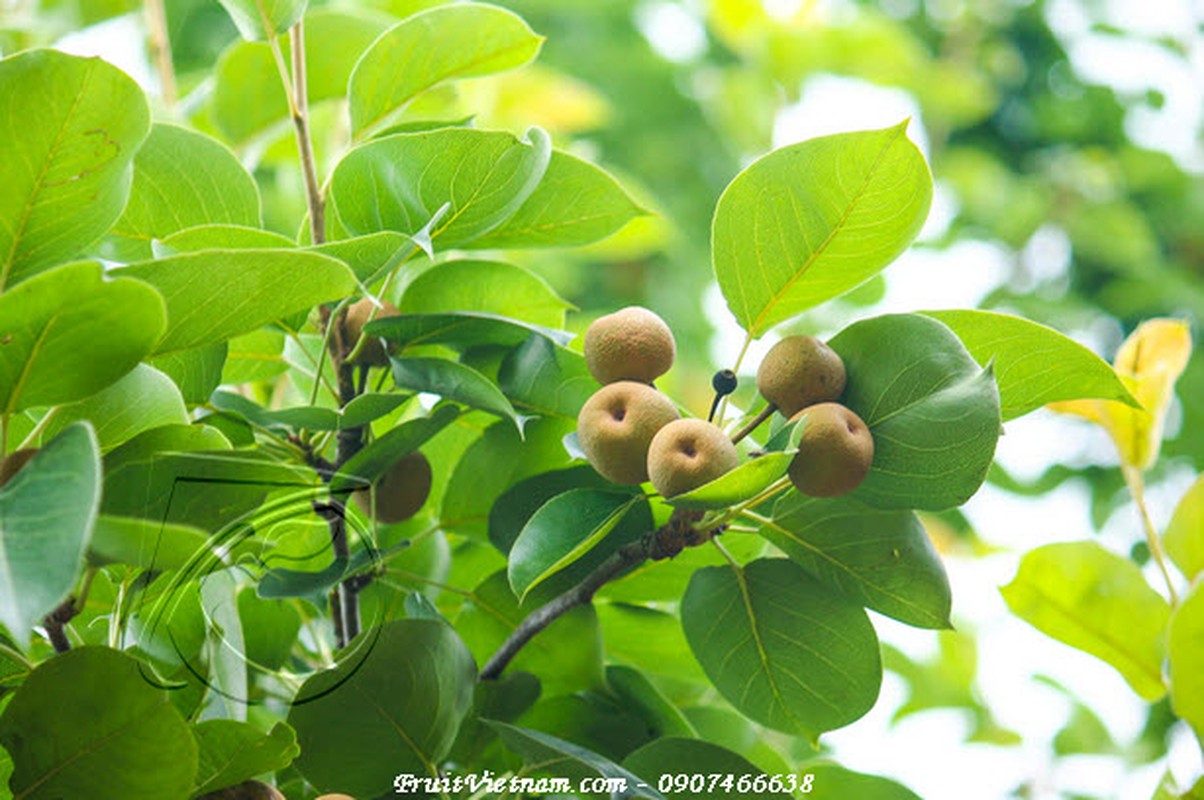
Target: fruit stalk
[299,109]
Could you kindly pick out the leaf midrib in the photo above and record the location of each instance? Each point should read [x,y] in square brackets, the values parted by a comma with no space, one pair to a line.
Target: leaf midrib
[836,229]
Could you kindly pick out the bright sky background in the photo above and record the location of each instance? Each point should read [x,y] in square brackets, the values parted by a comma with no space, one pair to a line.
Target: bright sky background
[926,750]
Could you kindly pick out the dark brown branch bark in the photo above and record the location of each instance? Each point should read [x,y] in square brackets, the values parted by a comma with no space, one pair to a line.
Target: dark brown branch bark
[664,542]
[56,620]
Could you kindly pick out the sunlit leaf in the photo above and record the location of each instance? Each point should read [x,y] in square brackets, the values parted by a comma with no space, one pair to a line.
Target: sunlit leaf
[70,332]
[1185,648]
[1184,535]
[71,128]
[1034,365]
[462,40]
[810,221]
[1085,596]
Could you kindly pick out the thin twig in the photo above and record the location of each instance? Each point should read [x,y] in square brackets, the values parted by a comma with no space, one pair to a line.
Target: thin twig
[1136,486]
[300,113]
[664,542]
[160,50]
[755,423]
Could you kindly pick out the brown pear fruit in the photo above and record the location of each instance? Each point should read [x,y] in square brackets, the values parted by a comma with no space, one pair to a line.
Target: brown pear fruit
[400,492]
[247,790]
[835,452]
[359,314]
[687,453]
[632,344]
[800,371]
[12,463]
[617,424]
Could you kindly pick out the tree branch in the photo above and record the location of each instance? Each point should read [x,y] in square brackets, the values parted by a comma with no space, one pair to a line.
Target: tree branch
[300,114]
[56,620]
[664,542]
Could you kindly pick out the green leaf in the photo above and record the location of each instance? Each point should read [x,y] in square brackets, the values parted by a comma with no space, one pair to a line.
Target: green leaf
[515,507]
[196,372]
[781,647]
[270,628]
[209,490]
[837,783]
[463,40]
[292,418]
[460,330]
[687,761]
[882,559]
[1184,535]
[145,398]
[231,752]
[566,656]
[933,413]
[1186,650]
[472,492]
[369,407]
[648,638]
[545,378]
[1095,601]
[400,182]
[811,221]
[254,356]
[219,237]
[46,516]
[216,295]
[576,203]
[452,381]
[183,179]
[247,98]
[374,461]
[548,753]
[70,332]
[743,483]
[1034,365]
[66,174]
[490,287]
[263,19]
[562,531]
[88,723]
[370,257]
[393,706]
[147,543]
[637,693]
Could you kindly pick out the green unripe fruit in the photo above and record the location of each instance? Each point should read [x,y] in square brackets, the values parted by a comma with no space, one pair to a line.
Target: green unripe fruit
[400,492]
[835,452]
[800,371]
[616,426]
[632,344]
[359,314]
[687,453]
[12,463]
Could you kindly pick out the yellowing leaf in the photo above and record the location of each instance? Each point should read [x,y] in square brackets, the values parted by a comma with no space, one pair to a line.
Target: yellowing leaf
[1149,363]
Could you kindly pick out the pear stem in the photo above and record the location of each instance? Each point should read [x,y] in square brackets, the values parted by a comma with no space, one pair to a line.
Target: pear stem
[755,423]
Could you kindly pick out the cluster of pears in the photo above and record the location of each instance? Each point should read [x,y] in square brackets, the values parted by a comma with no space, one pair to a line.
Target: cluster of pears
[630,432]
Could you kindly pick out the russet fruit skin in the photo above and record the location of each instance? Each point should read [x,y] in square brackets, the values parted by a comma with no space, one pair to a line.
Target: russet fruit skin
[835,452]
[800,371]
[616,426]
[12,463]
[400,492]
[359,314]
[687,453]
[632,344]
[247,790]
